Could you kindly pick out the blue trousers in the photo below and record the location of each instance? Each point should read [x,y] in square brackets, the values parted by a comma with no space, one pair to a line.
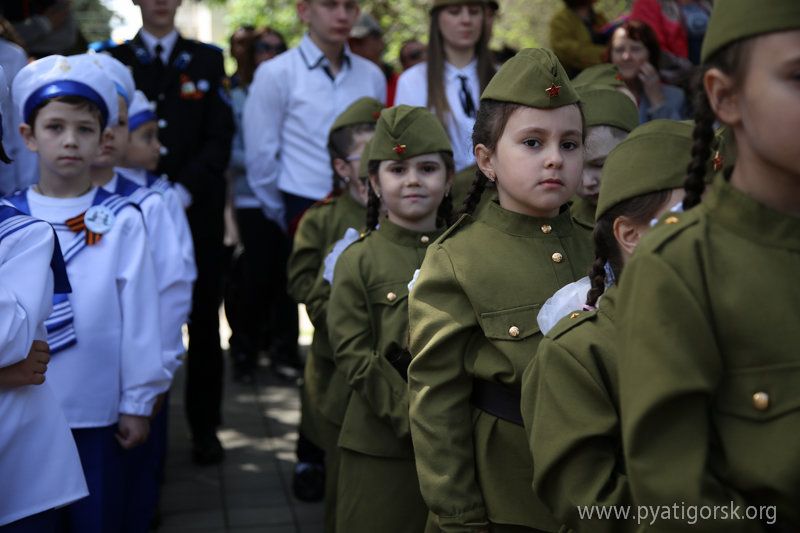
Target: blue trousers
[101,458]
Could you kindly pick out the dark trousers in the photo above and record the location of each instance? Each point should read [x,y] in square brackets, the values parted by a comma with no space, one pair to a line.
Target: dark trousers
[263,301]
[204,366]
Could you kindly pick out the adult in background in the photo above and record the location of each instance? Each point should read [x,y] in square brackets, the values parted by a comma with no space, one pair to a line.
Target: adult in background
[366,40]
[635,52]
[679,25]
[45,26]
[411,53]
[261,306]
[241,49]
[293,99]
[185,78]
[458,68]
[576,35]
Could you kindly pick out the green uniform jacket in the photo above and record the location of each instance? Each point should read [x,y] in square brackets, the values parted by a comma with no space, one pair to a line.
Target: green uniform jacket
[368,312]
[473,314]
[709,367]
[571,41]
[570,403]
[319,229]
[583,212]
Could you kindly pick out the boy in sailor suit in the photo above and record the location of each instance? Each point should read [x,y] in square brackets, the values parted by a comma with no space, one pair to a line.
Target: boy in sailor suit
[38,458]
[106,367]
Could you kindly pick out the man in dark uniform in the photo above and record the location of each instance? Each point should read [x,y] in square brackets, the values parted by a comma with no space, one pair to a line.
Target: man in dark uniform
[187,81]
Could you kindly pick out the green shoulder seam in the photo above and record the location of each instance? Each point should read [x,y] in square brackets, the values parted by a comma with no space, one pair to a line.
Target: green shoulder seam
[463,221]
[569,322]
[668,227]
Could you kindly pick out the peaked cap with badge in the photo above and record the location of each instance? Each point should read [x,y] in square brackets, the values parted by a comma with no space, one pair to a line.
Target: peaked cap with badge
[404,132]
[533,78]
[653,158]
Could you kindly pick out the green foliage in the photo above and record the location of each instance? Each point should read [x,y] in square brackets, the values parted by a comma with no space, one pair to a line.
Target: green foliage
[93,18]
[522,23]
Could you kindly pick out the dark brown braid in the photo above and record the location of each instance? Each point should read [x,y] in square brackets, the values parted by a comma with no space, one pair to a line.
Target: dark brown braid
[731,61]
[373,202]
[640,210]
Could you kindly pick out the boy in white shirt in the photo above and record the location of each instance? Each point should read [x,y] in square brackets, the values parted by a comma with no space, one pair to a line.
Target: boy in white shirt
[106,368]
[38,458]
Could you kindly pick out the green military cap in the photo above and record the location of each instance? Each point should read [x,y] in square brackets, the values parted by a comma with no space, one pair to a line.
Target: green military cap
[444,3]
[363,164]
[606,106]
[653,158]
[534,78]
[733,20]
[602,74]
[404,132]
[363,111]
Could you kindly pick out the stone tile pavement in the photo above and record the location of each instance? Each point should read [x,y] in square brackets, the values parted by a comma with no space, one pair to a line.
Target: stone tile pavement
[251,490]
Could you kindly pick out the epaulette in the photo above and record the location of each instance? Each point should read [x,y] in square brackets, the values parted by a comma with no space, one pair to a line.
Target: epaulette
[462,222]
[668,227]
[569,322]
[103,46]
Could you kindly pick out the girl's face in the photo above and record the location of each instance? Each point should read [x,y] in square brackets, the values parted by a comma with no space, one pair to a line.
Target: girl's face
[461,25]
[627,54]
[538,160]
[411,190]
[349,169]
[766,107]
[600,140]
[267,47]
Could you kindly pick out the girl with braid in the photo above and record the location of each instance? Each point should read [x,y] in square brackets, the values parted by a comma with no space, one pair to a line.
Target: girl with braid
[410,174]
[570,395]
[709,370]
[473,308]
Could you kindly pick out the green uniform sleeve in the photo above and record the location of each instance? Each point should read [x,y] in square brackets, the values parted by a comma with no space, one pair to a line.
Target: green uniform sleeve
[317,300]
[572,43]
[574,435]
[442,324]
[669,370]
[355,348]
[307,256]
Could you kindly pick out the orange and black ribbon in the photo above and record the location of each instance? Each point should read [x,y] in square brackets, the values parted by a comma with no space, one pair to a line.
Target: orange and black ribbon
[77,225]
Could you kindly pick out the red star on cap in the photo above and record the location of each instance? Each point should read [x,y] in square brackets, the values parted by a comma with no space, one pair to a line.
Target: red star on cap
[717,162]
[400,149]
[376,115]
[553,90]
[618,76]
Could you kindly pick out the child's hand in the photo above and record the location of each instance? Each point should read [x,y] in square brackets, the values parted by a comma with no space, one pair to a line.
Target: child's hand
[132,430]
[29,371]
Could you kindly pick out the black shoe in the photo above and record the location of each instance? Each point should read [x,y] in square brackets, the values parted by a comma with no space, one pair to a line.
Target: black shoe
[308,483]
[207,450]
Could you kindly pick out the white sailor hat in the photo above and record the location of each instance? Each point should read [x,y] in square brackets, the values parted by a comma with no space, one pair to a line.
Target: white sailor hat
[54,76]
[120,74]
[3,107]
[140,111]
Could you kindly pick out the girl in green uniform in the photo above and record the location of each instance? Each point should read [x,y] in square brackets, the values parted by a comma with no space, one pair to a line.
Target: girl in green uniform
[410,171]
[324,394]
[570,395]
[709,369]
[473,309]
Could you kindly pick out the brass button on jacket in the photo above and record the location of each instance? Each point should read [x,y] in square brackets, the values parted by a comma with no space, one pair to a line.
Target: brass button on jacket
[424,239]
[557,257]
[513,331]
[546,228]
[391,297]
[761,401]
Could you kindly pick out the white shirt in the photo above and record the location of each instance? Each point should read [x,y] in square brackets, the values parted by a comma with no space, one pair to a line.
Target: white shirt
[116,366]
[289,111]
[174,282]
[167,43]
[412,89]
[36,446]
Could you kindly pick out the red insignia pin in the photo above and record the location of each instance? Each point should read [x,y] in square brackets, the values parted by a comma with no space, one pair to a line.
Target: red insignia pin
[618,76]
[553,90]
[400,149]
[718,161]
[376,115]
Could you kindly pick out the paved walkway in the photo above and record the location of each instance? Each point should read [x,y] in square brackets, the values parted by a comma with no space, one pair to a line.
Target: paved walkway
[251,490]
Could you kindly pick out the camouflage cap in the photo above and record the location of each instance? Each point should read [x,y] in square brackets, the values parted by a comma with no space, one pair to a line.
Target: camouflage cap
[653,158]
[404,132]
[534,78]
[734,20]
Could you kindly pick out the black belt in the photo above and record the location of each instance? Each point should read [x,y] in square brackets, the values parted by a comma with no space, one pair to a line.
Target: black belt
[497,400]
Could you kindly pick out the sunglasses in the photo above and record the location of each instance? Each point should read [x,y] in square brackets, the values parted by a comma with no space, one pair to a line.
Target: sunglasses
[267,47]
